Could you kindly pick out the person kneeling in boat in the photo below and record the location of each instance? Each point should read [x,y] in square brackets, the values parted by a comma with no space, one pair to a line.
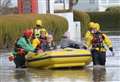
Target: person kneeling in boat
[49,45]
[22,47]
[66,42]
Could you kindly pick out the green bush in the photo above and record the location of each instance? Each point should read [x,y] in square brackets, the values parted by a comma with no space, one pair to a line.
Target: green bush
[108,20]
[84,20]
[113,9]
[12,26]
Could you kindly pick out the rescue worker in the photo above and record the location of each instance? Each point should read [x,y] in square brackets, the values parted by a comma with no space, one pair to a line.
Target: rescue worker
[96,40]
[36,43]
[42,39]
[22,47]
[38,28]
[90,25]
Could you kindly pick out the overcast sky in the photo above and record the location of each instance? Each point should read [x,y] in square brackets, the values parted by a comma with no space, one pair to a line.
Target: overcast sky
[14,3]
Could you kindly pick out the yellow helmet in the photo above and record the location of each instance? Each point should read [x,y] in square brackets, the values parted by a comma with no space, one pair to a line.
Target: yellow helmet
[97,26]
[39,22]
[91,25]
[43,30]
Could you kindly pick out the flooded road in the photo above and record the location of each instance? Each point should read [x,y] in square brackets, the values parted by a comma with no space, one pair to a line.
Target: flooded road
[111,73]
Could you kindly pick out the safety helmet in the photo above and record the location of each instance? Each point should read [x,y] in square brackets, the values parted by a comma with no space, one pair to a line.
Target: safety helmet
[42,30]
[28,33]
[91,25]
[97,26]
[39,22]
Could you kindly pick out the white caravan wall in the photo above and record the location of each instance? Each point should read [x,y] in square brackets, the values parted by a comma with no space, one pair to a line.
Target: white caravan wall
[74,27]
[52,6]
[42,6]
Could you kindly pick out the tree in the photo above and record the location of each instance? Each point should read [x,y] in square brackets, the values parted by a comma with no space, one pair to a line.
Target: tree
[72,3]
[113,9]
[4,6]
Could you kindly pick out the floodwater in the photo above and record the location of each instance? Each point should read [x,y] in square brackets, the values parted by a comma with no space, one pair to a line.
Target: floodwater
[111,73]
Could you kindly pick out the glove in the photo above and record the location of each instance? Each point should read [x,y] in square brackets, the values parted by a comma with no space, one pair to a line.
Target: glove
[21,52]
[111,49]
[40,51]
[11,57]
[84,47]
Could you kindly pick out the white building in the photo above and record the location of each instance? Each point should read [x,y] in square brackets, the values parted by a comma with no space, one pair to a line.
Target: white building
[13,3]
[96,5]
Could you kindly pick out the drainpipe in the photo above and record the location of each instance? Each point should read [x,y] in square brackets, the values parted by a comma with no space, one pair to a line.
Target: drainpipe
[64,4]
[48,6]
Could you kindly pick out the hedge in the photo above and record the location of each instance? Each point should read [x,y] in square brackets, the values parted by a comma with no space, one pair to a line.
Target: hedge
[84,19]
[109,21]
[113,9]
[12,26]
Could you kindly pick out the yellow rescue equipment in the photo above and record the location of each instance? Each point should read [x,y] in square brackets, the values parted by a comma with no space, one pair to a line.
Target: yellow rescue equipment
[59,58]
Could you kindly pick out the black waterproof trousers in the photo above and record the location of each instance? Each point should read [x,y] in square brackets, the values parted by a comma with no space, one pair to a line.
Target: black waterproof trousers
[99,58]
[19,61]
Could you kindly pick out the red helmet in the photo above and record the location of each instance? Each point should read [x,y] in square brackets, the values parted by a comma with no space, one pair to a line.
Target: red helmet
[28,33]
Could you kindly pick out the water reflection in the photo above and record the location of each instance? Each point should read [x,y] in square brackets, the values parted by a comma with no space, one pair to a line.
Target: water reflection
[21,76]
[99,74]
[62,75]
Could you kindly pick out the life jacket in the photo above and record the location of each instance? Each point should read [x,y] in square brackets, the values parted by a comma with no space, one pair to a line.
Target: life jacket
[97,41]
[36,33]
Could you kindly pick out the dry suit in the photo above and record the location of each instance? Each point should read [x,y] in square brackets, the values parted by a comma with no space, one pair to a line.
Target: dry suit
[22,47]
[96,43]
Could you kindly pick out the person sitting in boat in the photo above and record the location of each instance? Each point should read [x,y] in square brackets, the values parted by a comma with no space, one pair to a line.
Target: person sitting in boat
[43,42]
[39,42]
[22,47]
[43,39]
[67,42]
[37,29]
[49,45]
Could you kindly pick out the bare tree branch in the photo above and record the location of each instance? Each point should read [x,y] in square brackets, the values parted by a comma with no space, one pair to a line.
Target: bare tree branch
[4,6]
[6,3]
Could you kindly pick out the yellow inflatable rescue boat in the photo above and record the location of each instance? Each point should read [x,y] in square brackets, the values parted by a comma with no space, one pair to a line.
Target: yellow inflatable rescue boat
[67,57]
